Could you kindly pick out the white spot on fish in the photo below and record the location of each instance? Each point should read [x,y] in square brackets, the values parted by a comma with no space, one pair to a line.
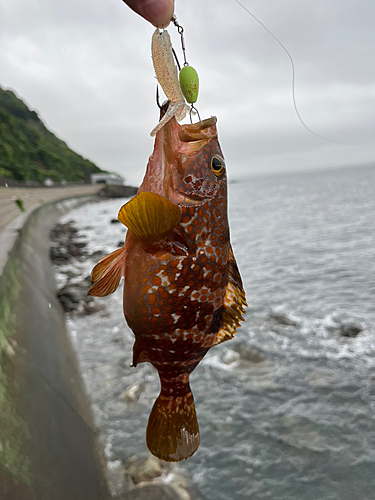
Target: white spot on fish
[182,292]
[175,317]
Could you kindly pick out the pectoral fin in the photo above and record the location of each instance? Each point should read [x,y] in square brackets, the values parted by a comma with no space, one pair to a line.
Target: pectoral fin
[107,273]
[150,216]
[234,303]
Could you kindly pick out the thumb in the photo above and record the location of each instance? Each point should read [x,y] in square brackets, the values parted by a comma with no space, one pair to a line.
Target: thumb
[157,12]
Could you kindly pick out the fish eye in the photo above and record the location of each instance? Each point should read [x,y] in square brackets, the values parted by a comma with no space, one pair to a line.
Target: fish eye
[217,166]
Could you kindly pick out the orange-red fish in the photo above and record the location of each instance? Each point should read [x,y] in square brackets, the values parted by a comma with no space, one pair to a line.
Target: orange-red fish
[182,292]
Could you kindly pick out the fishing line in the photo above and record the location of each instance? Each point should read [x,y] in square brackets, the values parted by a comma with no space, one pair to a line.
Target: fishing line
[293,85]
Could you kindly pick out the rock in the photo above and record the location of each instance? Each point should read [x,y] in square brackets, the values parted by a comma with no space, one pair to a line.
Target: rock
[120,244]
[71,274]
[247,353]
[83,284]
[150,478]
[283,319]
[115,474]
[230,357]
[115,221]
[97,255]
[350,330]
[64,245]
[117,191]
[80,309]
[59,254]
[133,392]
[157,491]
[142,468]
[93,307]
[72,294]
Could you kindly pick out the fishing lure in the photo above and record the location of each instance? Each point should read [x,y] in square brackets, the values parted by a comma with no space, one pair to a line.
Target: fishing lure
[167,75]
[176,87]
[189,84]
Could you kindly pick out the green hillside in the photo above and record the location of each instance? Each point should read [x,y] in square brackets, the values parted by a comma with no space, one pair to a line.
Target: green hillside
[30,152]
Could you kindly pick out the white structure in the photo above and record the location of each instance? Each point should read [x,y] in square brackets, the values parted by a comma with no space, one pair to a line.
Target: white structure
[111,179]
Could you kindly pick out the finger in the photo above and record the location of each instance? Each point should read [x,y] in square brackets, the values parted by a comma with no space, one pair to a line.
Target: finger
[157,12]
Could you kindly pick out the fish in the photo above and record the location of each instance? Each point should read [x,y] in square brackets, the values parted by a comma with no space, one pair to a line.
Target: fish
[183,292]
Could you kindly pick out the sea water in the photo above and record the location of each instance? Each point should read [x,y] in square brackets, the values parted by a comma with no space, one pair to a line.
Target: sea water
[296,419]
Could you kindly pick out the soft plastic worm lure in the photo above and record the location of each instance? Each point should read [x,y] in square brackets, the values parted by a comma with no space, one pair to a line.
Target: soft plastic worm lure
[167,75]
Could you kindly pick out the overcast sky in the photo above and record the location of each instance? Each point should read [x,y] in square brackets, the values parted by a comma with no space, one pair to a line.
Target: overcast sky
[85,67]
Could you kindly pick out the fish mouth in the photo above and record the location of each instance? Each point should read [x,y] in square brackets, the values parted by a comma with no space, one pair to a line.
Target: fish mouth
[203,130]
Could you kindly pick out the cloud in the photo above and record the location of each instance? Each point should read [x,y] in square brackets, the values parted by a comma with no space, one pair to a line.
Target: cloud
[85,66]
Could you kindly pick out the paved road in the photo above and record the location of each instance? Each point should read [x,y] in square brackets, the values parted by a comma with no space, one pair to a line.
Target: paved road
[32,197]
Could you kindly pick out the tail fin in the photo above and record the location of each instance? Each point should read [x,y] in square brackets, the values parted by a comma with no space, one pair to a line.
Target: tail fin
[172,430]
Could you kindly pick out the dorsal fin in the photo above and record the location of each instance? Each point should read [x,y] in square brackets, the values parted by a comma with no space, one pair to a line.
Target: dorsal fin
[234,303]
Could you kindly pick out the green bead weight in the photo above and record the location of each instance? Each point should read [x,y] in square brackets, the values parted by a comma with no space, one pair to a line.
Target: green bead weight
[189,84]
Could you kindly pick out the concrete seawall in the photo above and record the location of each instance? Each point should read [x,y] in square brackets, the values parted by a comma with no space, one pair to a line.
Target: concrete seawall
[34,197]
[49,448]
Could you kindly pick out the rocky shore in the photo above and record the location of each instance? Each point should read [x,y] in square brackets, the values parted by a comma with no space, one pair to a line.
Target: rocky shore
[65,248]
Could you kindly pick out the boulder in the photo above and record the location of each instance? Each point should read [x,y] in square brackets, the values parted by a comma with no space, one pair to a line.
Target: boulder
[248,353]
[72,294]
[141,469]
[147,478]
[97,255]
[350,330]
[64,245]
[283,319]
[155,491]
[133,392]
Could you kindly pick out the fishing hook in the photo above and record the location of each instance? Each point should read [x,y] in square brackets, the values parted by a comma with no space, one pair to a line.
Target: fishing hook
[157,97]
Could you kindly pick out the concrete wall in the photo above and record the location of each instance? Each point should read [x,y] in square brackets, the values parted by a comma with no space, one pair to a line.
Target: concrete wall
[48,445]
[31,198]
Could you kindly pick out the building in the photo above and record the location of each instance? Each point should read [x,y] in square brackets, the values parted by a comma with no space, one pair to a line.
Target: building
[111,179]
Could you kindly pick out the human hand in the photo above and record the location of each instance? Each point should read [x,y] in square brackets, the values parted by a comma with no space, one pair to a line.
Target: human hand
[157,12]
